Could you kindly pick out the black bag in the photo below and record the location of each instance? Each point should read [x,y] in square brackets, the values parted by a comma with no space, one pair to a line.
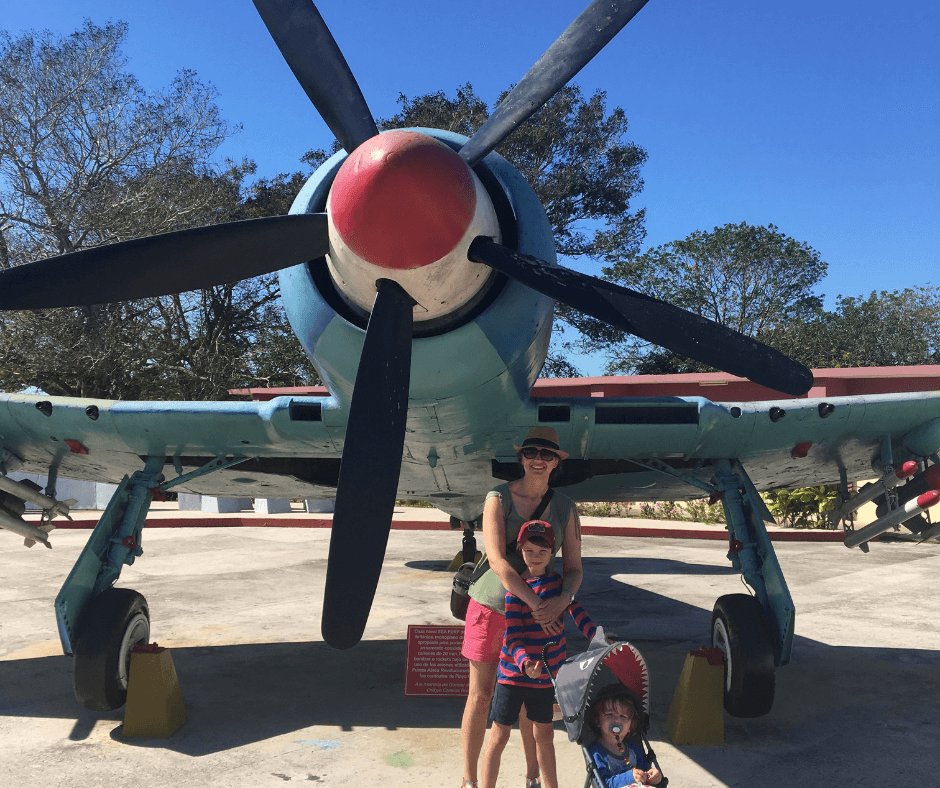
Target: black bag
[468,574]
[460,594]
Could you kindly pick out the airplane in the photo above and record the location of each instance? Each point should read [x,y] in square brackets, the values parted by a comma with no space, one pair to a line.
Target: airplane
[418,271]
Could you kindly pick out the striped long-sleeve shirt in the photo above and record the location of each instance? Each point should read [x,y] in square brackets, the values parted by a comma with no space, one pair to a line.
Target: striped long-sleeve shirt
[525,638]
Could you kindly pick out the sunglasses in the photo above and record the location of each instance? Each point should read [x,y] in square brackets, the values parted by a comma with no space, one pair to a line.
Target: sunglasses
[530,453]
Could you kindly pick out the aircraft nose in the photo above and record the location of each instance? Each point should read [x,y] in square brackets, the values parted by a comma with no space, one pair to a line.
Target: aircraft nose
[402,200]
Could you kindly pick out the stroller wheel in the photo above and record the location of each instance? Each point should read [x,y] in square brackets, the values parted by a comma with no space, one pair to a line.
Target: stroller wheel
[739,630]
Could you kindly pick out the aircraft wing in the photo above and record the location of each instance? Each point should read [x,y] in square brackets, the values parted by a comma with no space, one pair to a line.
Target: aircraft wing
[292,445]
[664,448]
[821,437]
[623,448]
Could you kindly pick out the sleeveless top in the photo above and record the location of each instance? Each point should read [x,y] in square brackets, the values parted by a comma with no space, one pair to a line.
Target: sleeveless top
[488,589]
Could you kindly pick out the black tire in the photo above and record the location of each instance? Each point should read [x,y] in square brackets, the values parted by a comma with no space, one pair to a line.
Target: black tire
[115,621]
[739,630]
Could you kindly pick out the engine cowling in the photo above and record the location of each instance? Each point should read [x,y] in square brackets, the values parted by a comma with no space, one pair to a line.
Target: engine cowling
[327,308]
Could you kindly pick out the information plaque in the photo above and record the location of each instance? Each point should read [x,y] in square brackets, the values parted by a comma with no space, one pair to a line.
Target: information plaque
[433,663]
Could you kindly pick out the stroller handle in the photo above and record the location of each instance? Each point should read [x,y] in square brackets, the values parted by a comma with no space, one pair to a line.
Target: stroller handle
[545,649]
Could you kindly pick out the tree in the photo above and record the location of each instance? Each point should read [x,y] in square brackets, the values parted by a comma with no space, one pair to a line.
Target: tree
[901,327]
[755,280]
[88,157]
[275,357]
[573,154]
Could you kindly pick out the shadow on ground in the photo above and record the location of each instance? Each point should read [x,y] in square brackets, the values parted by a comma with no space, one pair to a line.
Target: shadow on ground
[863,713]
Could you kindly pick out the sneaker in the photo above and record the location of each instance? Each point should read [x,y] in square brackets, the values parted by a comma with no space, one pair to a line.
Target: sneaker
[532,782]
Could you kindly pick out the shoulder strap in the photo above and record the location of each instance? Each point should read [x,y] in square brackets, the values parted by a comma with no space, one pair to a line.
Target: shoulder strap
[484,564]
[543,504]
[539,510]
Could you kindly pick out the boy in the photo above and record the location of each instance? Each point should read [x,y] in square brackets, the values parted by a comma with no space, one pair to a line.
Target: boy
[521,677]
[620,762]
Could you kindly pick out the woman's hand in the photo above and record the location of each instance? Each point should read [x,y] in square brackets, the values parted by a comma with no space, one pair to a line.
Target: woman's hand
[552,609]
[553,627]
[549,612]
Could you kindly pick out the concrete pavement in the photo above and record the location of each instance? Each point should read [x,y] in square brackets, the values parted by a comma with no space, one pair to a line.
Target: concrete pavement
[269,702]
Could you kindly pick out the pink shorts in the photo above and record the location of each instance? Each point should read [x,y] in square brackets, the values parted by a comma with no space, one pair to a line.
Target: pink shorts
[483,633]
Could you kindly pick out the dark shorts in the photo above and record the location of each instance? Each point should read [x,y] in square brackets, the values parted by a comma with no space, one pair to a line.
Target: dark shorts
[508,699]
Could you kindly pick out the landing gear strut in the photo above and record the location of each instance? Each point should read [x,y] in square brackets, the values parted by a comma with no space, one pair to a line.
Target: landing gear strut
[99,624]
[754,633]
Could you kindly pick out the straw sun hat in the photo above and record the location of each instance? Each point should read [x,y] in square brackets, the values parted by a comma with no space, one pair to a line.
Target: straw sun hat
[542,438]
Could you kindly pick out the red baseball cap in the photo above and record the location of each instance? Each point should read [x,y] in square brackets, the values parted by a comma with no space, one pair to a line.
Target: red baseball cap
[536,528]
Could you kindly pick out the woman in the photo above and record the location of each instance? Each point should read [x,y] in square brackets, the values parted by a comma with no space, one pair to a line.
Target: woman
[507,507]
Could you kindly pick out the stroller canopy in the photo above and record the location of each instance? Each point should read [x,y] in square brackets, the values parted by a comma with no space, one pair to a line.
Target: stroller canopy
[602,668]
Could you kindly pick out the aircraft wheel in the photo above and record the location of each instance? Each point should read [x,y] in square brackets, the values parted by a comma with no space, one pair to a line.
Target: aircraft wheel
[739,630]
[115,621]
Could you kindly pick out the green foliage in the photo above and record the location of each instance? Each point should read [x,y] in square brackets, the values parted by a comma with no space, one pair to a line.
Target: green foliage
[557,365]
[901,327]
[463,114]
[762,283]
[664,510]
[415,503]
[701,511]
[695,511]
[88,157]
[274,357]
[603,509]
[755,280]
[804,507]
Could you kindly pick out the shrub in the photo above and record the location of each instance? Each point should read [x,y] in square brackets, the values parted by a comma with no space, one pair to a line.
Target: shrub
[804,507]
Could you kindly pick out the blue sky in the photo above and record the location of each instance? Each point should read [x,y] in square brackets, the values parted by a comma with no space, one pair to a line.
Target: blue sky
[822,117]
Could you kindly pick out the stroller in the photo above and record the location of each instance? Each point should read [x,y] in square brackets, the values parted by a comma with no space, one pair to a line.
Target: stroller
[600,670]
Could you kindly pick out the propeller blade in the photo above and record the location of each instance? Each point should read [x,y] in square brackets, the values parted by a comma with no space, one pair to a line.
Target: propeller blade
[573,49]
[309,49]
[371,465]
[167,263]
[656,321]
